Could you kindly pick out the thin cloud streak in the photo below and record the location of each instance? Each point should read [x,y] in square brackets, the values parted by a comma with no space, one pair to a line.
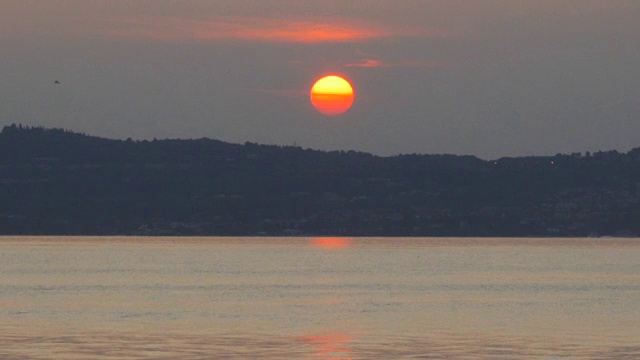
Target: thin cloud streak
[258,29]
[374,63]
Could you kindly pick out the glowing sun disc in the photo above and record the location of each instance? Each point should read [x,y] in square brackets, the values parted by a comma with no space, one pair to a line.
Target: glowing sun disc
[332,95]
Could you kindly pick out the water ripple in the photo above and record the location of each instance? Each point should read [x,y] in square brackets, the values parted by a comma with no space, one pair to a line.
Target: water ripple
[114,345]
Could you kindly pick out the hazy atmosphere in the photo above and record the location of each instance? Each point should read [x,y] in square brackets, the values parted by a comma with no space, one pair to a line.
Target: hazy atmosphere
[487,78]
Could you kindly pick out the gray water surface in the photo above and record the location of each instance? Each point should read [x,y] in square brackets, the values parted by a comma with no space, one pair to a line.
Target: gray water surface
[327,298]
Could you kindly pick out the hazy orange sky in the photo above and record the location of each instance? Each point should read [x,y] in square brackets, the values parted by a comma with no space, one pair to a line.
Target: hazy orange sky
[489,78]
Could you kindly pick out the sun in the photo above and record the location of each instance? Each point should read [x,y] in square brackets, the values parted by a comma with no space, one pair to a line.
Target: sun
[332,95]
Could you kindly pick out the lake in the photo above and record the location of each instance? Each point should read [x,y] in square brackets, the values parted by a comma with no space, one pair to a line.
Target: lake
[319,298]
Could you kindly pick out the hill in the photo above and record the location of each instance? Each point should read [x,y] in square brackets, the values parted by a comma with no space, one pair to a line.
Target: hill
[54,181]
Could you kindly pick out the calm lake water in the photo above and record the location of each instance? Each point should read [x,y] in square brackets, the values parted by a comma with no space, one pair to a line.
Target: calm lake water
[326,298]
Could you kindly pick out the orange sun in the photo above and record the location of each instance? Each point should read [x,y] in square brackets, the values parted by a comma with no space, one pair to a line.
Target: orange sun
[332,95]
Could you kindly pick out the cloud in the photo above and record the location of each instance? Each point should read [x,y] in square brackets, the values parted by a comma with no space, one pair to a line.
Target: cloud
[367,63]
[255,29]
[375,63]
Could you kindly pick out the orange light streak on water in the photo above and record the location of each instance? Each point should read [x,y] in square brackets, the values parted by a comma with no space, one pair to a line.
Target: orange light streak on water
[330,346]
[331,243]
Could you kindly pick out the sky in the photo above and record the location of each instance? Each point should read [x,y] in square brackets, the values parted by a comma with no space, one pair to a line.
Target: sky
[489,78]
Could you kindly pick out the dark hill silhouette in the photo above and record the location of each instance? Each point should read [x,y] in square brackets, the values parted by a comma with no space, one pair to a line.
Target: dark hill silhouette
[54,181]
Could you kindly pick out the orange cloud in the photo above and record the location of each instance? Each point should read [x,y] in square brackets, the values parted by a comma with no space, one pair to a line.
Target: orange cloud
[374,63]
[253,29]
[367,63]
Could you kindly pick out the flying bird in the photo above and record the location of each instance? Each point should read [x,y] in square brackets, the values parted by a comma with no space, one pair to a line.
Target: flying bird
[56,82]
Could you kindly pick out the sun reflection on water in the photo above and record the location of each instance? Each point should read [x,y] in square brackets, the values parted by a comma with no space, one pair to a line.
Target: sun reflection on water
[330,346]
[331,243]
